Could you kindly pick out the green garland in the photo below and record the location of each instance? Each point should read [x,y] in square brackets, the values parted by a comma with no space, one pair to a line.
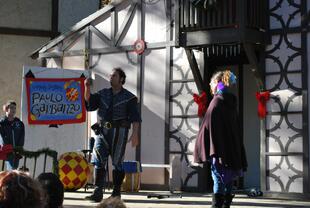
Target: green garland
[35,154]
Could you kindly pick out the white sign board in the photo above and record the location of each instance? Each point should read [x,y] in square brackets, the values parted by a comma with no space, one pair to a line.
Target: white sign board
[63,138]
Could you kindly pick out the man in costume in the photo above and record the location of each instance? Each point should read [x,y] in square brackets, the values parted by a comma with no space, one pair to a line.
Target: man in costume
[117,111]
[12,132]
[219,140]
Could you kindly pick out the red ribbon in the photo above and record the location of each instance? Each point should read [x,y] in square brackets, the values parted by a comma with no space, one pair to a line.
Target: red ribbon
[202,103]
[262,98]
[4,150]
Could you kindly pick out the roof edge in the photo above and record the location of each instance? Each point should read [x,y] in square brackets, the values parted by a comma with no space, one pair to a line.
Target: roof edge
[77,27]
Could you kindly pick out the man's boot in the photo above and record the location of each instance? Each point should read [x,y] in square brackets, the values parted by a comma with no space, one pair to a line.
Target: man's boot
[227,200]
[217,200]
[118,177]
[97,194]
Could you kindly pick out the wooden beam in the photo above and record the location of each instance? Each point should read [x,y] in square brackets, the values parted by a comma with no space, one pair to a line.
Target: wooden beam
[169,60]
[200,38]
[305,97]
[241,14]
[194,67]
[49,55]
[114,27]
[108,50]
[100,35]
[71,39]
[125,25]
[55,8]
[250,52]
[177,23]
[120,49]
[102,14]
[221,36]
[160,45]
[26,32]
[87,58]
[140,11]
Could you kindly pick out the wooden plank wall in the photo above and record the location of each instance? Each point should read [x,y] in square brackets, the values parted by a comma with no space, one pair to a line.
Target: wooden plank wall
[224,15]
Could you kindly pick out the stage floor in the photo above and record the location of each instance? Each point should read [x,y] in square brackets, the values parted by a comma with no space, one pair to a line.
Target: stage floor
[192,200]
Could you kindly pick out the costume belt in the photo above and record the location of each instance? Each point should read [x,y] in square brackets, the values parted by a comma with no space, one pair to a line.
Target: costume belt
[115,124]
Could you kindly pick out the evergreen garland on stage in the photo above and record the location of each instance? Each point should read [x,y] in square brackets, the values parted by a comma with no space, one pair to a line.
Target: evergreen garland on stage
[35,154]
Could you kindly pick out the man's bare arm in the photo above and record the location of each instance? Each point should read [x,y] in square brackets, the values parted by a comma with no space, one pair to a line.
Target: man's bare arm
[134,138]
[87,89]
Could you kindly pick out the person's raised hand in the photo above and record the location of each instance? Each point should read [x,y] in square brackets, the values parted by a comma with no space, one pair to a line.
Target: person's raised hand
[87,82]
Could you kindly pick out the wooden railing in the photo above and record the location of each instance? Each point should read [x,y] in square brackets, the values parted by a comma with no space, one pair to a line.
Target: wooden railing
[228,13]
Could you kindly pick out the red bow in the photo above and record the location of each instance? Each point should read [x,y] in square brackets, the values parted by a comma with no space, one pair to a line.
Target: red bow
[202,103]
[262,98]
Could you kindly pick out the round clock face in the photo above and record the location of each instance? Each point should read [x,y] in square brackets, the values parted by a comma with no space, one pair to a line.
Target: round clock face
[151,1]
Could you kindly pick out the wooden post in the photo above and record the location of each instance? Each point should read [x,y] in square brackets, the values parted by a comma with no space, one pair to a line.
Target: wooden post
[194,67]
